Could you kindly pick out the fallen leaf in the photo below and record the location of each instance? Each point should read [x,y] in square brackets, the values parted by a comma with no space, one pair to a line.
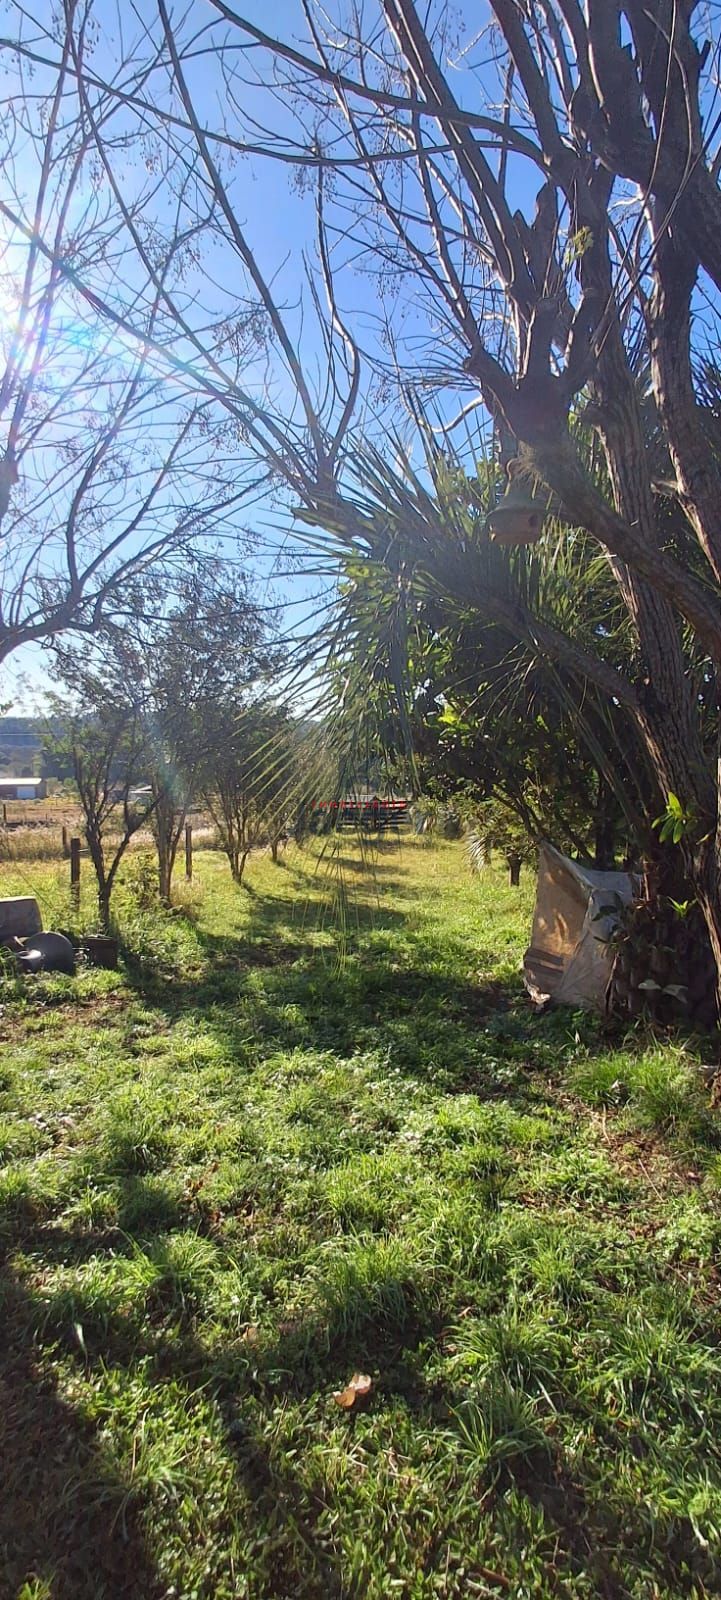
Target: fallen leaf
[358,1388]
[345,1397]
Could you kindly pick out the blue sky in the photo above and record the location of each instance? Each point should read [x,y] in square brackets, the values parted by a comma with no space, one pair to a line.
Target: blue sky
[280,226]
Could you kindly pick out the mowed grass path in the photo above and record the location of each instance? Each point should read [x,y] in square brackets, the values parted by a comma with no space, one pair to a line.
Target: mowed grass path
[241,1168]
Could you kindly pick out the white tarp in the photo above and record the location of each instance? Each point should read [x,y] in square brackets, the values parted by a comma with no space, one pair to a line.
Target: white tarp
[576,911]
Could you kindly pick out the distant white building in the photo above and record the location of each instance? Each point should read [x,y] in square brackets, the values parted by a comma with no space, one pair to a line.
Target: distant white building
[23,789]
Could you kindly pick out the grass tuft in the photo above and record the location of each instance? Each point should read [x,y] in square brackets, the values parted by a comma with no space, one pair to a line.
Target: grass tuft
[500,1430]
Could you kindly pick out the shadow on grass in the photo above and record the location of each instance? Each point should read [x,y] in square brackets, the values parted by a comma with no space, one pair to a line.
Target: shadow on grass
[341,944]
[470,1037]
[65,1513]
[433,1025]
[67,1521]
[282,982]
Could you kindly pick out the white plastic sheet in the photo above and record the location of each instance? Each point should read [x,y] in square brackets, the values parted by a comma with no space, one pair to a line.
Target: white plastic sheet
[576,912]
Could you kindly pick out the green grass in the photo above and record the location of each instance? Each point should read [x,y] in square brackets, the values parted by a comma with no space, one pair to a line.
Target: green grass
[313,1128]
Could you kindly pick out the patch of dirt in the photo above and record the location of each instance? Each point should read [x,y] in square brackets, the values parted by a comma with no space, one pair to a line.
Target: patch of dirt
[16,1021]
[265,954]
[643,1156]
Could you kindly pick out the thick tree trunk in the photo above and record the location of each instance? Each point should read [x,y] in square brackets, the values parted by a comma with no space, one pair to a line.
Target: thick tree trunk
[700,219]
[709,898]
[668,707]
[707,881]
[668,712]
[669,324]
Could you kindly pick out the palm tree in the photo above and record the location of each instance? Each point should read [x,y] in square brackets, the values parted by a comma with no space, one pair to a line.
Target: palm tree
[510,670]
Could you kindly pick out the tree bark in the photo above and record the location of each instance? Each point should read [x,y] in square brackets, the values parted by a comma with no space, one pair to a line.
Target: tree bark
[668,710]
[164,877]
[707,884]
[97,856]
[238,859]
[705,876]
[165,864]
[669,325]
[168,823]
[104,906]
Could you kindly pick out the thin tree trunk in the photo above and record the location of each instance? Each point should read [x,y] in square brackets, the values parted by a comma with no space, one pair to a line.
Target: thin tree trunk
[604,827]
[97,856]
[167,834]
[164,868]
[104,891]
[164,882]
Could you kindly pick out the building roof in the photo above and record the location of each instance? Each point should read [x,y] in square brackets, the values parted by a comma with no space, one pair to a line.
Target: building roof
[24,783]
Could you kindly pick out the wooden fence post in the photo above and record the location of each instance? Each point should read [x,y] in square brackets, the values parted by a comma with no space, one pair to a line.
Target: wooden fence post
[188,851]
[66,843]
[75,874]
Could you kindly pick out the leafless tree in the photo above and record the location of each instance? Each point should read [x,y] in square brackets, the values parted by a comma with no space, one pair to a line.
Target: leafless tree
[109,462]
[103,745]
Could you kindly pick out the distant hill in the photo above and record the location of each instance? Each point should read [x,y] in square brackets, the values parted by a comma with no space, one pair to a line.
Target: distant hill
[21,746]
